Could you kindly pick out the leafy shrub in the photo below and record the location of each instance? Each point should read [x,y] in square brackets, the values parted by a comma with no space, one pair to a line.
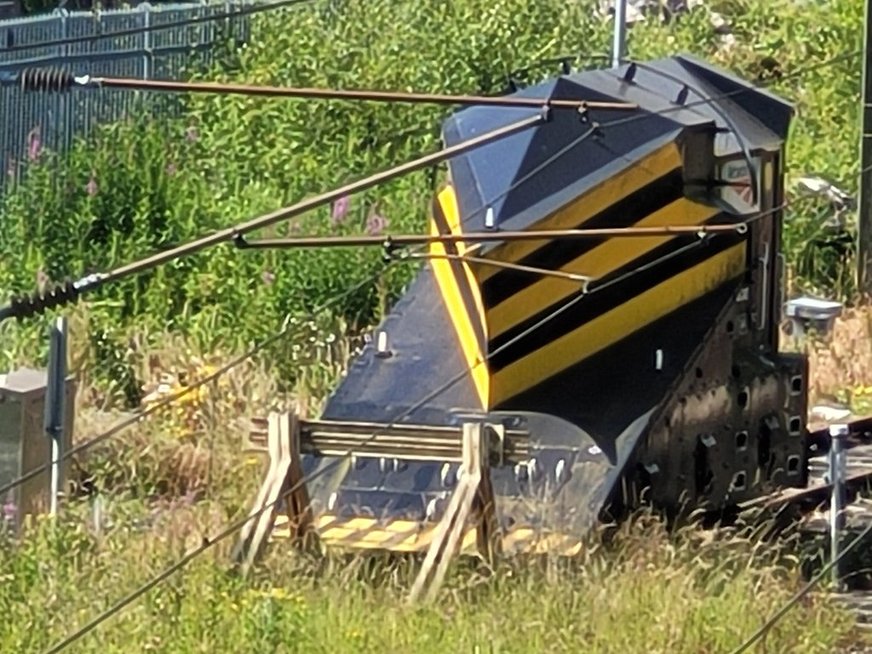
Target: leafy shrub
[142,184]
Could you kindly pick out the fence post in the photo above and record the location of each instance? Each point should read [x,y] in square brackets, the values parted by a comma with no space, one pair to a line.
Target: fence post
[55,401]
[836,473]
[147,53]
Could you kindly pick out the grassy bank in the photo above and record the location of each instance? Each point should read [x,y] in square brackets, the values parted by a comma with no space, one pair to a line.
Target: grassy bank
[645,592]
[180,476]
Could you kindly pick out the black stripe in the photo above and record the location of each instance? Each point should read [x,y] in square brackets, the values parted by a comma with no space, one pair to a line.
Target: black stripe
[459,273]
[586,392]
[626,212]
[600,302]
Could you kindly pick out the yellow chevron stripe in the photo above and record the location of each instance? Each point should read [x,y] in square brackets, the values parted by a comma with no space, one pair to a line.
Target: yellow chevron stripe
[473,350]
[617,324]
[596,200]
[603,259]
[410,536]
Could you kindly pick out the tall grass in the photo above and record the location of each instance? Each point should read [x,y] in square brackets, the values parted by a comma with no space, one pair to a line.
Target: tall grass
[643,592]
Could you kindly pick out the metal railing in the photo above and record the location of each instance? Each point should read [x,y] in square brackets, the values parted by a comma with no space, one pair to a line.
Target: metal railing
[32,122]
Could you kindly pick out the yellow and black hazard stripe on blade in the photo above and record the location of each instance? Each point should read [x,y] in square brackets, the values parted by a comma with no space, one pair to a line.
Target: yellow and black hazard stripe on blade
[626,303]
[460,292]
[620,200]
[595,261]
[410,536]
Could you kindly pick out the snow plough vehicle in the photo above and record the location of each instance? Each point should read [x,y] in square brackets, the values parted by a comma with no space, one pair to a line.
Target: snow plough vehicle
[596,325]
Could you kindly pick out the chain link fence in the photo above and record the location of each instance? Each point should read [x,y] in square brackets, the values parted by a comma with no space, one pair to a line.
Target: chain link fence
[32,121]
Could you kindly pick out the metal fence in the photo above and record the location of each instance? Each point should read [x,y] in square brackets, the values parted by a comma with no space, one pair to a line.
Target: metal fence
[32,121]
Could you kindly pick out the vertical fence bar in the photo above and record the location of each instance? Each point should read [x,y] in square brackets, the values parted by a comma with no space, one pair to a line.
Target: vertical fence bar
[837,475]
[55,406]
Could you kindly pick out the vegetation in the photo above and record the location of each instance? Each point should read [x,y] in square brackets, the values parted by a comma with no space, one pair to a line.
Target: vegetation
[141,184]
[647,592]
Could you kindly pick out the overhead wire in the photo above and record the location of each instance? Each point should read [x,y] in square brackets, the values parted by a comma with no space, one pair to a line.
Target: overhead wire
[536,170]
[807,588]
[69,291]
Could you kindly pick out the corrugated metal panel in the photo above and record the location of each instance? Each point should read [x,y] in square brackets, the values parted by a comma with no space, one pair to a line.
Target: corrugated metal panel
[32,120]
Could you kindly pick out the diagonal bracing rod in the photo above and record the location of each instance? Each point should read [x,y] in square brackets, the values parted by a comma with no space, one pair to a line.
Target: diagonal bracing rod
[23,308]
[481,237]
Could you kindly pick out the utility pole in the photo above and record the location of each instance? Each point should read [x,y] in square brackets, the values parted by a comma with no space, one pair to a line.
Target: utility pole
[619,43]
[864,219]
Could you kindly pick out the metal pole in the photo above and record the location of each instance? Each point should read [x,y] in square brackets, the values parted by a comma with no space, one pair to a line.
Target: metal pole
[864,219]
[837,475]
[619,44]
[54,405]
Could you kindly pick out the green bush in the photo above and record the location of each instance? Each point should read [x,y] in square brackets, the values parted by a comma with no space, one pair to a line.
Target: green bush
[143,184]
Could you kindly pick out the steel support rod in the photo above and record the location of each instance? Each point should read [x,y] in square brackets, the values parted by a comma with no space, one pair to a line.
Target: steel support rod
[836,473]
[57,80]
[230,234]
[354,94]
[55,406]
[478,237]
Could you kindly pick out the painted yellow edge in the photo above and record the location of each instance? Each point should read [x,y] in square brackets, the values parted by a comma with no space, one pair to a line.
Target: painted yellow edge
[473,350]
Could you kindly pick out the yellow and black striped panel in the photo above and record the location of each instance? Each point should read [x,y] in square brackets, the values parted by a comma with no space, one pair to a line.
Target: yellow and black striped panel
[595,262]
[607,316]
[623,199]
[460,291]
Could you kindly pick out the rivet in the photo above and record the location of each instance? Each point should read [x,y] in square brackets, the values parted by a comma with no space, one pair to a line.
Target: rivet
[382,350]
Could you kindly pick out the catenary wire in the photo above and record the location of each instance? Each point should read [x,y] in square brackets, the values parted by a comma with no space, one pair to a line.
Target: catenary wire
[802,592]
[562,152]
[235,527]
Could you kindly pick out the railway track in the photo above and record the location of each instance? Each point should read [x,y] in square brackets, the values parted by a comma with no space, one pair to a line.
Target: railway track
[856,570]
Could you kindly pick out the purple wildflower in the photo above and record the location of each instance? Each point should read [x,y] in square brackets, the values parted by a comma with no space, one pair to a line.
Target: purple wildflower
[340,211]
[376,224]
[191,134]
[91,187]
[34,144]
[171,169]
[10,511]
